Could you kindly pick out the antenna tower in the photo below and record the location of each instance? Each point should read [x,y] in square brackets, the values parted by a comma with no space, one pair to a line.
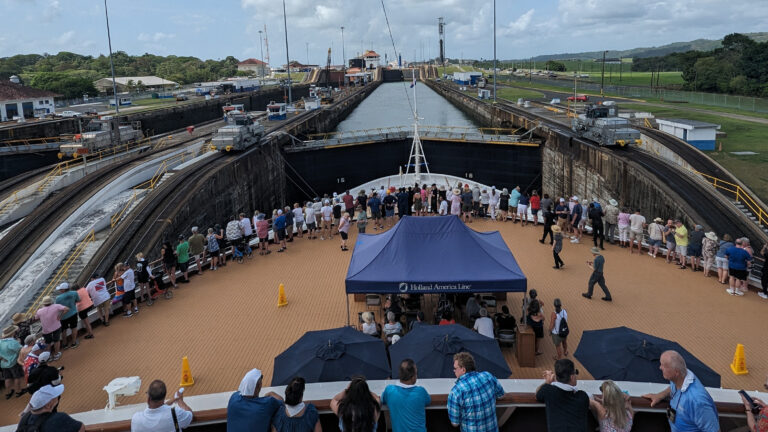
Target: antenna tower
[441,32]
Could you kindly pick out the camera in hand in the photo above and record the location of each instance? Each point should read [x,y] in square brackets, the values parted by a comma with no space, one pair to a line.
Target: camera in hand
[755,408]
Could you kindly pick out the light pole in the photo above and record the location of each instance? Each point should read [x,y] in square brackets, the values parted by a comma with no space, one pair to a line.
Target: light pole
[116,131]
[343,56]
[287,56]
[261,47]
[602,75]
[494,51]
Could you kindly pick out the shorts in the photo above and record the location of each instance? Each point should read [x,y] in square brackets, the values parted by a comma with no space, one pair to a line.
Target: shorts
[694,251]
[375,215]
[522,210]
[682,250]
[182,266]
[466,208]
[417,205]
[69,323]
[311,226]
[280,234]
[636,235]
[105,306]
[83,314]
[738,274]
[557,340]
[215,253]
[53,336]
[195,257]
[343,235]
[389,212]
[13,372]
[575,222]
[671,246]
[721,263]
[336,221]
[129,296]
[654,243]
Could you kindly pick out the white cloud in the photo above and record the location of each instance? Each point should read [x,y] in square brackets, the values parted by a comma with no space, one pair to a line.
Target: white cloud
[520,25]
[65,38]
[155,37]
[51,11]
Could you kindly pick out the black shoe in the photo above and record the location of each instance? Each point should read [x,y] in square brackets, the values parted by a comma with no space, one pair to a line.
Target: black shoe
[602,248]
[587,296]
[185,280]
[606,299]
[541,241]
[556,267]
[10,395]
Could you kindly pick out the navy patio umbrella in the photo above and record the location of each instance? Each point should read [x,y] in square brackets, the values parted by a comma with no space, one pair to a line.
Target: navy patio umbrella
[432,348]
[624,354]
[332,355]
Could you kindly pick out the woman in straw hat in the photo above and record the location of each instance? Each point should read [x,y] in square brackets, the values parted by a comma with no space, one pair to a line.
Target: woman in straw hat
[557,246]
[456,202]
[20,320]
[12,370]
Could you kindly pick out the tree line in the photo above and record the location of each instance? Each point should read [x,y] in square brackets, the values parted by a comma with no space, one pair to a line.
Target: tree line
[72,75]
[740,66]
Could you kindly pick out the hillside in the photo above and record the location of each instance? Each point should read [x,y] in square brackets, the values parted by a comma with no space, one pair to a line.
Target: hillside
[695,45]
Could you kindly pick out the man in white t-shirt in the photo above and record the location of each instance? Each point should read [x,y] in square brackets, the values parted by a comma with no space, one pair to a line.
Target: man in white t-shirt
[311,220]
[159,415]
[484,325]
[326,216]
[245,226]
[97,290]
[298,219]
[129,293]
[636,226]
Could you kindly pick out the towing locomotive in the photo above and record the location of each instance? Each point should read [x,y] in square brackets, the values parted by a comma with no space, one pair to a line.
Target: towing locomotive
[241,132]
[601,124]
[98,136]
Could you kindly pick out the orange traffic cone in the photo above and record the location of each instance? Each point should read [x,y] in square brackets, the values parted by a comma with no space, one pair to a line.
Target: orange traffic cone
[282,299]
[186,373]
[739,365]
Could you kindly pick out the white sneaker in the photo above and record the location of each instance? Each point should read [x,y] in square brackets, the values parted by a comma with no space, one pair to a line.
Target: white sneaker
[651,255]
[739,293]
[573,240]
[762,295]
[730,291]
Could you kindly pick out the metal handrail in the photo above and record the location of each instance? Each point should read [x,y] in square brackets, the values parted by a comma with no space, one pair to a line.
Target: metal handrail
[63,271]
[739,194]
[31,141]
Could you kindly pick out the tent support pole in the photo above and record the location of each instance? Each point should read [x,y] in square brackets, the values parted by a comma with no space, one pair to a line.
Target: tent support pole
[347,296]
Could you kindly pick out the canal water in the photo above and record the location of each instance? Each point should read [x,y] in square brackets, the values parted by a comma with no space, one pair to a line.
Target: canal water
[388,106]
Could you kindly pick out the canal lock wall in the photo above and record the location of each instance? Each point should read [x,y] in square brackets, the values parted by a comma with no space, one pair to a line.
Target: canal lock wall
[570,167]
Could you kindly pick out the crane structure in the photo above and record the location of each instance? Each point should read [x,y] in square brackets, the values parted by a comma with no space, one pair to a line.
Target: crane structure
[266,44]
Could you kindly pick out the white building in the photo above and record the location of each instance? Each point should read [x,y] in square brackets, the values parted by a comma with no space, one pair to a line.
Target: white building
[696,133]
[371,59]
[253,65]
[104,85]
[21,101]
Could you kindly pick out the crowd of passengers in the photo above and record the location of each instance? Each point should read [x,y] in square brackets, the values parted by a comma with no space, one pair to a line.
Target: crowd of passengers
[22,353]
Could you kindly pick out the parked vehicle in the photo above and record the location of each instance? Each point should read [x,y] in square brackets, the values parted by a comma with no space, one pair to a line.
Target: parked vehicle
[69,114]
[98,136]
[578,98]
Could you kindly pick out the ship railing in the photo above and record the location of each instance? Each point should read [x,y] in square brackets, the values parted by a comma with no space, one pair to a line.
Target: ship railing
[62,274]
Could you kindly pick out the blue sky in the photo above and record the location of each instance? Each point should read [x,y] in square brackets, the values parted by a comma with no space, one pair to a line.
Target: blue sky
[219,28]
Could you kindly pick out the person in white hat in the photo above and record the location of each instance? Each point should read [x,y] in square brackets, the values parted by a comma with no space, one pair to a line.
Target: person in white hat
[611,220]
[597,277]
[41,412]
[709,246]
[246,411]
[159,416]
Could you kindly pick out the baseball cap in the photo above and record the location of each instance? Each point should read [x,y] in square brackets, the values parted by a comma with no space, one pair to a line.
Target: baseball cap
[249,382]
[44,395]
[44,356]
[62,286]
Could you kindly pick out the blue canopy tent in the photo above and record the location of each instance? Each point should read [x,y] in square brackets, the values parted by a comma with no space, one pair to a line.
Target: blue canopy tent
[432,255]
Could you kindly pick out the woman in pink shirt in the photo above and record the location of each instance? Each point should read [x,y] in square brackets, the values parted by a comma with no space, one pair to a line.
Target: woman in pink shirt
[624,228]
[344,230]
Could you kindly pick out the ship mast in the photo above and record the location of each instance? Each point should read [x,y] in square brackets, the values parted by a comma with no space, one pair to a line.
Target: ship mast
[417,151]
[266,44]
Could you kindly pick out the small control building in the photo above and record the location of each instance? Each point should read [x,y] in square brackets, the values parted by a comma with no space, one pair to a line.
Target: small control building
[20,101]
[696,133]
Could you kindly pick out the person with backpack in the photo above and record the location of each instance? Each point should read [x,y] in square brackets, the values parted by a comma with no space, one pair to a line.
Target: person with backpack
[41,416]
[558,327]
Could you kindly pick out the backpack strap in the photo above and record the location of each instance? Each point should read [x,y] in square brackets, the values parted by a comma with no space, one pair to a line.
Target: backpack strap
[175,420]
[39,421]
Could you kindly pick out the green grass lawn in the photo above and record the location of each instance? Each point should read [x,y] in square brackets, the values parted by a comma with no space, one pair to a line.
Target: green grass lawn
[741,136]
[296,77]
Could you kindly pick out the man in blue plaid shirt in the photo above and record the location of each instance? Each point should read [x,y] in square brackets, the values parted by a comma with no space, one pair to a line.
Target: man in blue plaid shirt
[472,401]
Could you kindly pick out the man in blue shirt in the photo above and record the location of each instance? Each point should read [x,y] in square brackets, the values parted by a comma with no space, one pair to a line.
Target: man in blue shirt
[407,401]
[738,264]
[69,299]
[691,408]
[278,228]
[375,204]
[472,401]
[246,411]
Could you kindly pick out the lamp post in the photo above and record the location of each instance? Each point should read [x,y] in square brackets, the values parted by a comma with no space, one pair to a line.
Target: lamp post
[343,56]
[602,75]
[287,56]
[261,47]
[494,51]
[116,131]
